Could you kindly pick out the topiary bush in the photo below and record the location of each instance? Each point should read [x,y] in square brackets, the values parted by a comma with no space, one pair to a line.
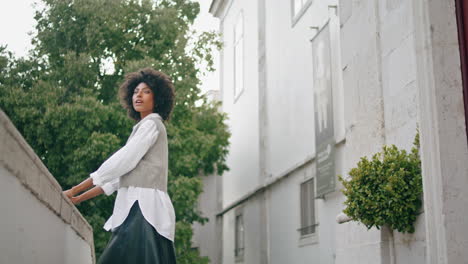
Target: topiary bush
[386,189]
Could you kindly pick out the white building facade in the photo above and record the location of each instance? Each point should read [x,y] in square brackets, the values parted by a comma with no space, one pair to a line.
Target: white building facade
[388,66]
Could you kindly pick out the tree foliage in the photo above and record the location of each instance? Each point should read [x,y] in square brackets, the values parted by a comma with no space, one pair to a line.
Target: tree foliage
[63,97]
[387,189]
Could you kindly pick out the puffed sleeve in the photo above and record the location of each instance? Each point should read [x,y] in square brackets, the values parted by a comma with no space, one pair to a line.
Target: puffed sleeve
[127,157]
[110,187]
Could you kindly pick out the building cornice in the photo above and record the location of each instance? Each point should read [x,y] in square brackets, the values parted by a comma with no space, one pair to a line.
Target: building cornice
[272,181]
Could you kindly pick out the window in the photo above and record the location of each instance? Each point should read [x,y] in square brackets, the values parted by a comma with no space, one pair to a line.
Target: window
[239,237]
[307,208]
[239,56]
[298,8]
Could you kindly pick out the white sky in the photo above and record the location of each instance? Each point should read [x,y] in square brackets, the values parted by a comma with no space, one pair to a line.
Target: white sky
[17,20]
[205,22]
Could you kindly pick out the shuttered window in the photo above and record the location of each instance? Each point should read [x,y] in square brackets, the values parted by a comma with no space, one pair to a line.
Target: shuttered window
[307,208]
[239,237]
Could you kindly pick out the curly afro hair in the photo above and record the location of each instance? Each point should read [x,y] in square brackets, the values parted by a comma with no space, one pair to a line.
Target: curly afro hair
[161,85]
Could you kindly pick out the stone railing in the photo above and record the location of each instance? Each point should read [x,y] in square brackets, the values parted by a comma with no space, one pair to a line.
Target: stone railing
[38,223]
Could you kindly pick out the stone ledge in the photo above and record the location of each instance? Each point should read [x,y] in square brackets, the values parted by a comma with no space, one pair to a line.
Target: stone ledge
[19,158]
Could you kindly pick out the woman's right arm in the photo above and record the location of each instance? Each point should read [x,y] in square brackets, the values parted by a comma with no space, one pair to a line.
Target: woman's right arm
[126,158]
[83,186]
[121,162]
[87,195]
[107,188]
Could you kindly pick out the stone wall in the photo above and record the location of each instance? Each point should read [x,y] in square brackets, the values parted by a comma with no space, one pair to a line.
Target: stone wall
[39,224]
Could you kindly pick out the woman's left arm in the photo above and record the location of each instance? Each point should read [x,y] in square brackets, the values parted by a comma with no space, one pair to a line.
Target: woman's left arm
[97,190]
[107,189]
[83,186]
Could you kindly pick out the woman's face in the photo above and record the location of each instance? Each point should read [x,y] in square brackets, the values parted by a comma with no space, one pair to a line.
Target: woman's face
[143,100]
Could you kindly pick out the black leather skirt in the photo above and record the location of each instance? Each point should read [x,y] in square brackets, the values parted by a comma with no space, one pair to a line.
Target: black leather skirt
[136,241]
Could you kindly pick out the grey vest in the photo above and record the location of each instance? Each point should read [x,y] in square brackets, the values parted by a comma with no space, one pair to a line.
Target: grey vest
[151,170]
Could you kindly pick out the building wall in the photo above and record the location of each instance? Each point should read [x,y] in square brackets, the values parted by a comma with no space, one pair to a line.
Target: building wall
[243,157]
[207,237]
[285,242]
[379,70]
[251,211]
[400,93]
[39,225]
[395,74]
[291,135]
[444,147]
[288,88]
[364,117]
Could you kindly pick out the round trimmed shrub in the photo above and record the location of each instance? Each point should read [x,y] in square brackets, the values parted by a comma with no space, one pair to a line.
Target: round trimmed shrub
[386,189]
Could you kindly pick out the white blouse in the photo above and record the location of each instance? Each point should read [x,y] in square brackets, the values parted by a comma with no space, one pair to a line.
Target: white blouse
[156,205]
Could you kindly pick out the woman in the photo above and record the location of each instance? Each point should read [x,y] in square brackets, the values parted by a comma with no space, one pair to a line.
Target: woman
[143,220]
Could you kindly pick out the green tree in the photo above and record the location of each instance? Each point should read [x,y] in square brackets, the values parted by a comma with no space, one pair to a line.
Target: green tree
[63,97]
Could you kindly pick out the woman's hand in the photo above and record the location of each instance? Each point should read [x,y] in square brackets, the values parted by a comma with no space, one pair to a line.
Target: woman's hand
[87,195]
[75,200]
[69,193]
[72,192]
[83,186]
